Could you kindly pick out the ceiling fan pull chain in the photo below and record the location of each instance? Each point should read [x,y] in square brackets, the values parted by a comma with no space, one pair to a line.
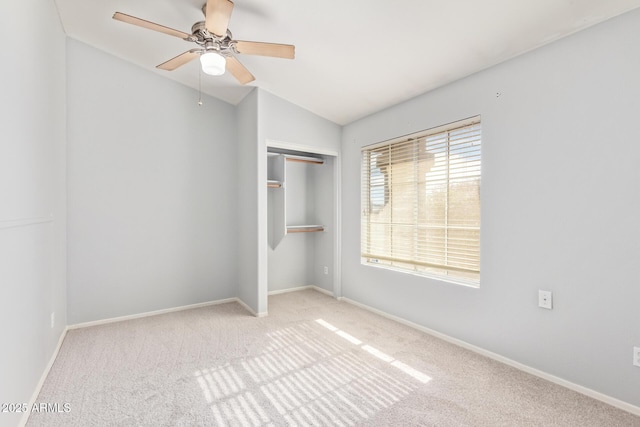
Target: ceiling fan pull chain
[199,86]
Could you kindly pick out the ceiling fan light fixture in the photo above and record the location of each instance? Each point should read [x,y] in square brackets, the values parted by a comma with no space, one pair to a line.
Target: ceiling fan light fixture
[213,63]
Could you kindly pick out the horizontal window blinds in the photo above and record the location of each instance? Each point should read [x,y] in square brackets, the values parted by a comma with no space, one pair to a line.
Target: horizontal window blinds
[421,203]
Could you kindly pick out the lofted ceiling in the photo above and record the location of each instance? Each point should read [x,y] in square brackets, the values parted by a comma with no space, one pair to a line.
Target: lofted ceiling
[353,57]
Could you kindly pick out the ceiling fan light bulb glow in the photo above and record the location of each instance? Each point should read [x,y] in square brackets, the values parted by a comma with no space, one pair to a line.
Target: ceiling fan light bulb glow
[213,63]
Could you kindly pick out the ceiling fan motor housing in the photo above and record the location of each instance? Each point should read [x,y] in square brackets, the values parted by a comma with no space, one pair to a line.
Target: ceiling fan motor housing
[209,41]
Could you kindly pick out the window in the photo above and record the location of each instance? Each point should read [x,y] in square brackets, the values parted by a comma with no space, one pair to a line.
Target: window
[421,203]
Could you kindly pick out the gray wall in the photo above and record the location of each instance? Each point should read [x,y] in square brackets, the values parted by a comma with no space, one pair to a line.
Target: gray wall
[32,194]
[560,209]
[283,121]
[323,192]
[151,191]
[248,180]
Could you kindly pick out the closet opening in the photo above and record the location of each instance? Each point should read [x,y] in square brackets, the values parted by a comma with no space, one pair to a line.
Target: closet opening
[302,220]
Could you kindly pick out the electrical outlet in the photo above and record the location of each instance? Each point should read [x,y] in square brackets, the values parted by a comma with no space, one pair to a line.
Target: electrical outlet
[53,319]
[636,356]
[326,270]
[545,299]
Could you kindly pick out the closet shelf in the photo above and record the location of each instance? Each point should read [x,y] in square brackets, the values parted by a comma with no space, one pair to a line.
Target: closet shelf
[304,228]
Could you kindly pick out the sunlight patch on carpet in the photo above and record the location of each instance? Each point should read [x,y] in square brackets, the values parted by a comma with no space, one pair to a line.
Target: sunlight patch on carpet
[423,378]
[305,375]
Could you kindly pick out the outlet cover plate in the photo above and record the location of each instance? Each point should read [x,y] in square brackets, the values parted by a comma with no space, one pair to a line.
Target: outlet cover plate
[636,356]
[545,299]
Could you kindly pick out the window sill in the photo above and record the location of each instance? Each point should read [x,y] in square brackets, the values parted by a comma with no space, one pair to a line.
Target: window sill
[449,280]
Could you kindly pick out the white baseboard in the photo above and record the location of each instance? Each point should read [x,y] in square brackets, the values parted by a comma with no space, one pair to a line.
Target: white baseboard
[191,306]
[249,309]
[150,313]
[286,291]
[301,288]
[625,406]
[43,377]
[322,290]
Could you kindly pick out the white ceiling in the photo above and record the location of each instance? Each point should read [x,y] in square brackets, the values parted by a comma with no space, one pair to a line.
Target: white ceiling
[353,57]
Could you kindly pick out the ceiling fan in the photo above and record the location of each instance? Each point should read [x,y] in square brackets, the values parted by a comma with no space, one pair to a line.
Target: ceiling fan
[217,47]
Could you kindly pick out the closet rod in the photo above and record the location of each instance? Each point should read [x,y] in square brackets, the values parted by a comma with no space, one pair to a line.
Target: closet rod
[303,159]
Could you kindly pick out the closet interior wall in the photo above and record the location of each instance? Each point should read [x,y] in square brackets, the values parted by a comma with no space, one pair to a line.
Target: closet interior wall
[300,194]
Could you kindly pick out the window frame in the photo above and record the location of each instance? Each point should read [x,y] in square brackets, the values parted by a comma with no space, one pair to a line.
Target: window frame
[415,266]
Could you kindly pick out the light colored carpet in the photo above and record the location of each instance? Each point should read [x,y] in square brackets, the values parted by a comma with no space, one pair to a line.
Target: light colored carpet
[312,361]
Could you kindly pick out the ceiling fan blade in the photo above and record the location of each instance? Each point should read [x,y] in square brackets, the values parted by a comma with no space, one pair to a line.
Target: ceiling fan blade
[266,49]
[239,71]
[179,60]
[149,25]
[217,15]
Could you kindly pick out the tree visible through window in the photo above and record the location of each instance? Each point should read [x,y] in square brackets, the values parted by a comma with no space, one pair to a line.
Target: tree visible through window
[421,202]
